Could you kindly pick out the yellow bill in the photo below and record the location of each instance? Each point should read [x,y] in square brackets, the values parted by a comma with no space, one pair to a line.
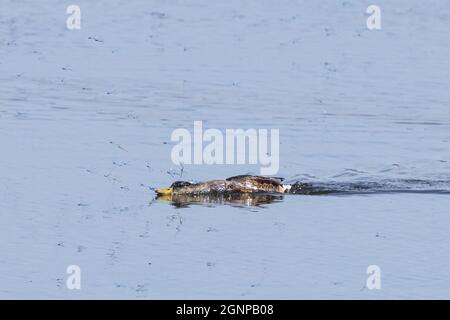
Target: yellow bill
[167,191]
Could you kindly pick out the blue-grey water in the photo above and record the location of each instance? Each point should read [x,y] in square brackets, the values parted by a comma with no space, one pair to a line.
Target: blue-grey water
[85,123]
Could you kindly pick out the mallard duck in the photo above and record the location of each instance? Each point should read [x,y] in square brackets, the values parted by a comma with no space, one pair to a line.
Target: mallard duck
[232,185]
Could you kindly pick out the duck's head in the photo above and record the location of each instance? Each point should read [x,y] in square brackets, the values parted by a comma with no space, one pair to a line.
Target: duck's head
[173,188]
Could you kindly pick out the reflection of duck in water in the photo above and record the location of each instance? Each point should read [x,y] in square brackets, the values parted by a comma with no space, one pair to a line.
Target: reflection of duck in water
[245,184]
[233,199]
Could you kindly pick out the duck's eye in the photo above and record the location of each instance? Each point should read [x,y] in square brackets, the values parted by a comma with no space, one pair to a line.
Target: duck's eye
[180,184]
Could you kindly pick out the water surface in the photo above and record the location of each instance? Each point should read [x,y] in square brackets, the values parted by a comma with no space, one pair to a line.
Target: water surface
[85,135]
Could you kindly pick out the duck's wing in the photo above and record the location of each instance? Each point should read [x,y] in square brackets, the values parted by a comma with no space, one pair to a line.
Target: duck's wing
[259,179]
[238,178]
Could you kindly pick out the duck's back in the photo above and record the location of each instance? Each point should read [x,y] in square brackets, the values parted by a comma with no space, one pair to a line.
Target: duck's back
[259,183]
[215,187]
